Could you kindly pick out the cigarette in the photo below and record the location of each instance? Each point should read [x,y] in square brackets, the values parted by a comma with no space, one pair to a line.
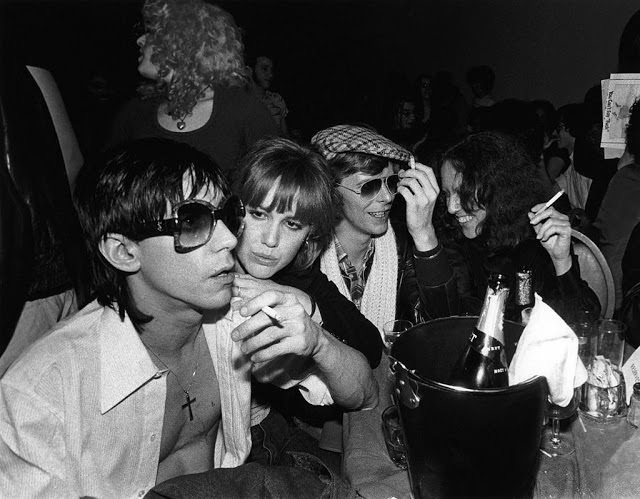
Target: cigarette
[272,313]
[553,199]
[584,428]
[412,162]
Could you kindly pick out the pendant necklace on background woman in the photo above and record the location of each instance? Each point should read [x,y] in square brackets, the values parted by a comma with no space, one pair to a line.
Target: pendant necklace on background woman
[180,123]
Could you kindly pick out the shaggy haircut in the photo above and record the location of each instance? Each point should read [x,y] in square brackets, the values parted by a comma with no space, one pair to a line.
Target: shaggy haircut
[348,163]
[301,176]
[497,175]
[199,42]
[126,187]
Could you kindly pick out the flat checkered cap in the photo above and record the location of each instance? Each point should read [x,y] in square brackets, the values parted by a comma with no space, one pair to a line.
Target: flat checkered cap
[349,138]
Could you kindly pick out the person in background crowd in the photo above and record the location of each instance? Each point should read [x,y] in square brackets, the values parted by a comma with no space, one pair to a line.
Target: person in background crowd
[559,157]
[630,307]
[481,80]
[42,259]
[494,222]
[388,272]
[548,117]
[192,51]
[423,101]
[403,130]
[620,211]
[262,71]
[151,381]
[449,110]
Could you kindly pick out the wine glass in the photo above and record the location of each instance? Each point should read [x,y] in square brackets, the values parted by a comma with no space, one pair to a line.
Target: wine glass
[392,331]
[553,443]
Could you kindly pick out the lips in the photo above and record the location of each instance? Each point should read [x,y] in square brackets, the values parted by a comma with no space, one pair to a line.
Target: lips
[379,214]
[225,273]
[265,260]
[464,219]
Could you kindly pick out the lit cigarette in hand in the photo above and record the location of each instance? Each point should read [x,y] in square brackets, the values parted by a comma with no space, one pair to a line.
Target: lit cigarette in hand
[553,199]
[272,313]
[412,162]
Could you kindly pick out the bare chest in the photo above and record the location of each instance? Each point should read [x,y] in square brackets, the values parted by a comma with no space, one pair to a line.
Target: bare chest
[191,422]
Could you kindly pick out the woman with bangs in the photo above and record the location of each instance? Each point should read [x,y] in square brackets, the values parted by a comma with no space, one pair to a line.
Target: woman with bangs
[288,196]
[495,222]
[192,52]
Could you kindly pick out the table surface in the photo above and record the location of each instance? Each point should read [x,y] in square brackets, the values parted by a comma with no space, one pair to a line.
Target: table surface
[606,462]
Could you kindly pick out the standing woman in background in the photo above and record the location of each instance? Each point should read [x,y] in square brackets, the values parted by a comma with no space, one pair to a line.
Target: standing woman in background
[193,53]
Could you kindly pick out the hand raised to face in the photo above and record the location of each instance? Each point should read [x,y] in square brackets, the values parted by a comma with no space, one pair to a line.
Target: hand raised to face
[419,188]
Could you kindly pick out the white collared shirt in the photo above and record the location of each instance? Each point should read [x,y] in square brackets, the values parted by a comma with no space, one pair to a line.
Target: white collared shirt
[69,429]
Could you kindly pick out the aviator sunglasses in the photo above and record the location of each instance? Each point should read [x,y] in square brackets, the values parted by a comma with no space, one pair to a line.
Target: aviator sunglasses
[193,222]
[370,189]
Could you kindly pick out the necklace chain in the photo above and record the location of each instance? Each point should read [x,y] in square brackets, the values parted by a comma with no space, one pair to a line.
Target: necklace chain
[189,400]
[180,123]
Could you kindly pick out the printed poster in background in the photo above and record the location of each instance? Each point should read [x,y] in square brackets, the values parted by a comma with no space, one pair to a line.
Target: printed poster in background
[618,95]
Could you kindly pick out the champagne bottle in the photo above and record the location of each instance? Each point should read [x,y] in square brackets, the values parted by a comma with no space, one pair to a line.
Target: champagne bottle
[483,363]
[524,294]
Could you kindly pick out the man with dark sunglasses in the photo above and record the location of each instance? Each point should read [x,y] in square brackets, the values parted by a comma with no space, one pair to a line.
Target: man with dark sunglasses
[389,272]
[152,380]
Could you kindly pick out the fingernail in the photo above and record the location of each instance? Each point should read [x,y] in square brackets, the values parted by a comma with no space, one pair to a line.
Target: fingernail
[244,312]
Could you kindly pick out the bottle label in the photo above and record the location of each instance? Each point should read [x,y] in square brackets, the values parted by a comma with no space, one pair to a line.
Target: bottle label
[489,347]
[486,345]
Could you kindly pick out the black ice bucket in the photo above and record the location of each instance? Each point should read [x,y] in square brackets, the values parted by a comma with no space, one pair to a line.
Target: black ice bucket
[464,442]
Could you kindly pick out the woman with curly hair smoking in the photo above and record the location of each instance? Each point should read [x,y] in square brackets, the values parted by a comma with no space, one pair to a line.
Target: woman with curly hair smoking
[193,52]
[496,222]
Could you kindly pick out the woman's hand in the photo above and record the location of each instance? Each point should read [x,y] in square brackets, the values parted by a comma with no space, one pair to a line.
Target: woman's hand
[553,230]
[263,338]
[419,187]
[248,287]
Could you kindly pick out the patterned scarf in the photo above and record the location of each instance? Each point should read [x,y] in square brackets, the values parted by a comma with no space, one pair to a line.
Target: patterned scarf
[379,297]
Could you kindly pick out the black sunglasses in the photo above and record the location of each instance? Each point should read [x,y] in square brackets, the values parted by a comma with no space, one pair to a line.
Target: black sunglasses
[370,189]
[193,222]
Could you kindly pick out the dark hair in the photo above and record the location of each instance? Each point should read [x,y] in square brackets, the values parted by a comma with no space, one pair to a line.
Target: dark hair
[498,176]
[547,115]
[200,42]
[483,75]
[127,186]
[518,118]
[573,117]
[633,130]
[301,176]
[629,47]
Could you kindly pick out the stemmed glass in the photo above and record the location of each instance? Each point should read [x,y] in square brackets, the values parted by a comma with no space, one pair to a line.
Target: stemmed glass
[392,331]
[553,444]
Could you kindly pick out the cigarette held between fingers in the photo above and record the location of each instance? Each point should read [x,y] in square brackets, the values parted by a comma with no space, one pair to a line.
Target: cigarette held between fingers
[553,199]
[272,313]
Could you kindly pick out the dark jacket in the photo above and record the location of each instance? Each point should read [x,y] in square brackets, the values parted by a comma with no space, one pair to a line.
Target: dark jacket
[630,309]
[473,262]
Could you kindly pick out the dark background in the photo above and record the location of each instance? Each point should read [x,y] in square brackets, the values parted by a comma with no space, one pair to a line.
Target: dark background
[337,60]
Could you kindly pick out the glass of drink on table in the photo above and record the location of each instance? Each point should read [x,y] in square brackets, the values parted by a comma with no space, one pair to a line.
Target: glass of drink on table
[392,331]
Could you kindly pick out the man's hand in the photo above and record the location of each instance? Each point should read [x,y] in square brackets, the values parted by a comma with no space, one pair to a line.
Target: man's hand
[553,229]
[419,187]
